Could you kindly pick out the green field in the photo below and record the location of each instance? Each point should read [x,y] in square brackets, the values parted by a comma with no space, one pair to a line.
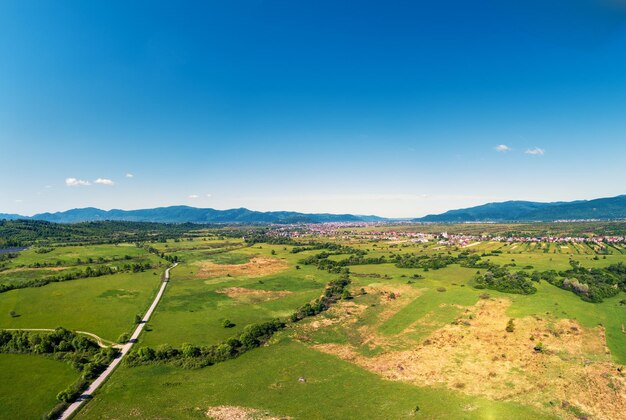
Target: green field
[104,306]
[193,309]
[30,384]
[269,378]
[361,358]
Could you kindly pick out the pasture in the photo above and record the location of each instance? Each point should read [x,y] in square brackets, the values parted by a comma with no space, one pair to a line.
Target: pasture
[105,306]
[285,379]
[405,342]
[30,384]
[198,302]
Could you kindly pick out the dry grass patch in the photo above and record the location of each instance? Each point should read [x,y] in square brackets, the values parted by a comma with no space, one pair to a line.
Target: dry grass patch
[256,267]
[477,356]
[392,298]
[229,412]
[253,295]
[19,269]
[343,313]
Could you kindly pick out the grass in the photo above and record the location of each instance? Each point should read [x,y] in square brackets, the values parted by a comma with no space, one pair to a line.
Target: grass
[105,305]
[68,255]
[29,385]
[193,308]
[268,379]
[554,302]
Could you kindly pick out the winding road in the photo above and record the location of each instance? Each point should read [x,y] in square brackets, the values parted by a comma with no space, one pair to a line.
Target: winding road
[75,406]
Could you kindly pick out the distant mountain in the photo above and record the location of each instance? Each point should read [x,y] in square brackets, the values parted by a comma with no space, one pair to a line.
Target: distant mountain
[513,211]
[181,214]
[508,211]
[6,216]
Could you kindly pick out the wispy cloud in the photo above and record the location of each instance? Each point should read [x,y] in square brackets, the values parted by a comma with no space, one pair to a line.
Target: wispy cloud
[209,195]
[502,148]
[535,151]
[74,182]
[194,196]
[104,181]
[129,175]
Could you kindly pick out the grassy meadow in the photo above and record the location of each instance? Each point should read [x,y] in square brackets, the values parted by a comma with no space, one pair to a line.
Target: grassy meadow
[30,384]
[270,379]
[363,357]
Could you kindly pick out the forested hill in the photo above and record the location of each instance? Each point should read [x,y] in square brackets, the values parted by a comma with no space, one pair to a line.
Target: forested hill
[183,214]
[510,211]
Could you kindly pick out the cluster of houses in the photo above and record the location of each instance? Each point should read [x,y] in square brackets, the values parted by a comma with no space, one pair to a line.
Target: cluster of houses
[373,231]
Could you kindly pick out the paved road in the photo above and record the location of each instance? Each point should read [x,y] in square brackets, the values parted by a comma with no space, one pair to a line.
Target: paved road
[73,408]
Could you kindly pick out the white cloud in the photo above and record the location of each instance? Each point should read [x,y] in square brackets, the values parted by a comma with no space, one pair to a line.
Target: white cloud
[194,196]
[535,151]
[208,195]
[503,148]
[73,182]
[129,175]
[19,200]
[48,186]
[104,181]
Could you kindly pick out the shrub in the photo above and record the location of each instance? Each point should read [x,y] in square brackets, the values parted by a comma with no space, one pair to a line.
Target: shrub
[510,327]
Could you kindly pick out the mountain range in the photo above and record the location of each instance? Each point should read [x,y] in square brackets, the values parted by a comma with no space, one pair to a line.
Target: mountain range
[508,211]
[529,211]
[181,214]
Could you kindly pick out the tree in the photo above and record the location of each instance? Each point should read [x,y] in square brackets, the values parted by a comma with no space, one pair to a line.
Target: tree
[138,319]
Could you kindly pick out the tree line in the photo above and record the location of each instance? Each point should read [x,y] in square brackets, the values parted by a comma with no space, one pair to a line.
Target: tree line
[88,272]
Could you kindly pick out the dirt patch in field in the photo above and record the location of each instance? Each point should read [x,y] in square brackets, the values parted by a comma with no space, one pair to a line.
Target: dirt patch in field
[345,316]
[253,295]
[344,313]
[229,412]
[256,267]
[571,373]
[393,298]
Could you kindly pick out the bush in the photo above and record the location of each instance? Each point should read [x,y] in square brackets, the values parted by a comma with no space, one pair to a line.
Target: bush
[510,327]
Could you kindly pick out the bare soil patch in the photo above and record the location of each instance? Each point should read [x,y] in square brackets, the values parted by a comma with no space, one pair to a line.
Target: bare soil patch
[253,295]
[573,372]
[256,267]
[229,412]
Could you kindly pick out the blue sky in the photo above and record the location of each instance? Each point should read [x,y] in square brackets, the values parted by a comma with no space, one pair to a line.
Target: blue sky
[390,108]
